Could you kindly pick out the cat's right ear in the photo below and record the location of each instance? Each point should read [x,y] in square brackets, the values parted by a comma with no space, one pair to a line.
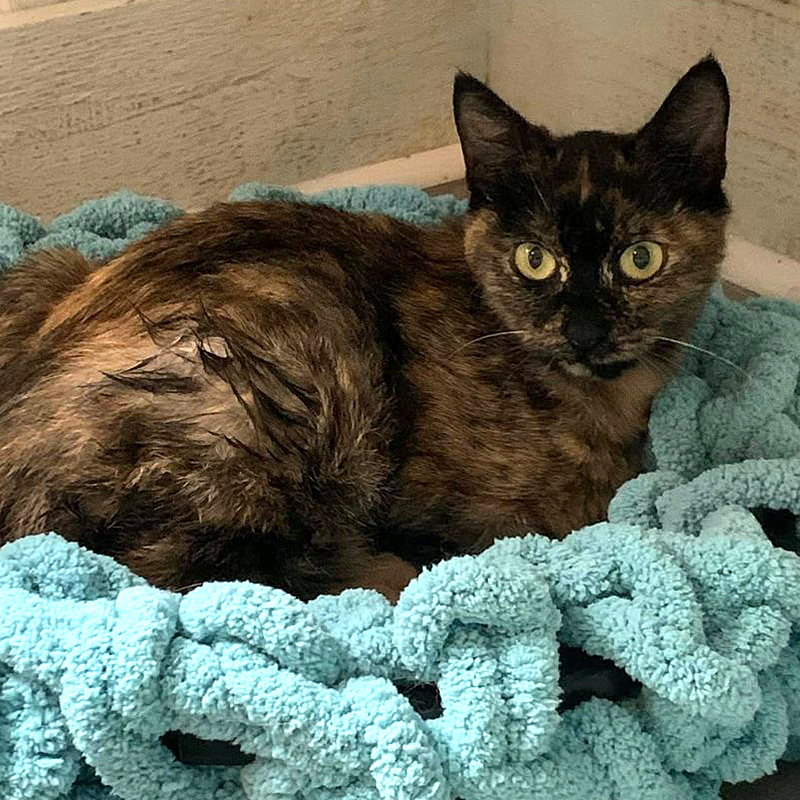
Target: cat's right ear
[685,140]
[495,139]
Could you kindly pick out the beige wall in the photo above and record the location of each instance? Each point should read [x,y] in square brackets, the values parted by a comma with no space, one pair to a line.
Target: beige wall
[187,98]
[581,64]
[13,5]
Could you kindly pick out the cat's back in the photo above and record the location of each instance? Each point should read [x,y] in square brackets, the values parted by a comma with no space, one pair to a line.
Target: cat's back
[284,258]
[226,372]
[189,253]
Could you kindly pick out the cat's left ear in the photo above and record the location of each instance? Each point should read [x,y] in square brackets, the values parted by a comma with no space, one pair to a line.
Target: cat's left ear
[495,139]
[687,134]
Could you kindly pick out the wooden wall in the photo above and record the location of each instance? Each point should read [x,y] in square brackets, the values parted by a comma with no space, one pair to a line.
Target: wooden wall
[187,98]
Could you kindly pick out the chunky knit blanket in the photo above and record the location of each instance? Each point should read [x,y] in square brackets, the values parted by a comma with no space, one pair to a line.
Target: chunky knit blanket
[681,588]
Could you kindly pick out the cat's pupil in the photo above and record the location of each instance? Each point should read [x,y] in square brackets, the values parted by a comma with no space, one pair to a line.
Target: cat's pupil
[535,257]
[641,256]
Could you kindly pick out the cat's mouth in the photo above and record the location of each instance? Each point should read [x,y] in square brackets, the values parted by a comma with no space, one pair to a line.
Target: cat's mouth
[607,370]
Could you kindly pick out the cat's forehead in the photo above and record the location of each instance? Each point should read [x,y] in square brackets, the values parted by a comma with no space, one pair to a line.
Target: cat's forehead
[576,202]
[593,189]
[585,195]
[590,168]
[586,225]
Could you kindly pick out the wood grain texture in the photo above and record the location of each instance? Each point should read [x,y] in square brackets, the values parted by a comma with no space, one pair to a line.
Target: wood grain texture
[187,98]
[32,11]
[18,4]
[573,64]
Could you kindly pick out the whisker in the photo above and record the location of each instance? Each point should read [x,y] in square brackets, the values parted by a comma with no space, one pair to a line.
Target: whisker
[487,336]
[187,588]
[541,197]
[707,352]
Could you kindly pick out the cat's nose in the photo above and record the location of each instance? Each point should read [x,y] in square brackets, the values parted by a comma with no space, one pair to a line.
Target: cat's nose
[585,331]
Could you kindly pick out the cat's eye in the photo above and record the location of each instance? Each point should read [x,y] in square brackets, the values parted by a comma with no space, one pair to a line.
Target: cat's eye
[642,260]
[534,261]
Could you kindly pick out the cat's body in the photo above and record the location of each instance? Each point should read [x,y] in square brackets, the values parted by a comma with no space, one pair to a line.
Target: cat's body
[277,391]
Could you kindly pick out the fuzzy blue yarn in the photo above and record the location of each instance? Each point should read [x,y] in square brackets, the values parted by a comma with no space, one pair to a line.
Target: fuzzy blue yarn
[680,587]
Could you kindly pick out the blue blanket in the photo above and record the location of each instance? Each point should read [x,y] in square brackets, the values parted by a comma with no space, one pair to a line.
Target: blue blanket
[681,588]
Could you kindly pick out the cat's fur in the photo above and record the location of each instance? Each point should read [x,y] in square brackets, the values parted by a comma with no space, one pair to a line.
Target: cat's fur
[290,393]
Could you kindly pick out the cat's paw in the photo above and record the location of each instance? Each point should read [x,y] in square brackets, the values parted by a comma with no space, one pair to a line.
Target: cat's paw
[385,573]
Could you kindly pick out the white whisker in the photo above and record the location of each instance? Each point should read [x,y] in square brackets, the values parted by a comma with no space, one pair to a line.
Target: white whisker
[487,336]
[707,352]
[541,197]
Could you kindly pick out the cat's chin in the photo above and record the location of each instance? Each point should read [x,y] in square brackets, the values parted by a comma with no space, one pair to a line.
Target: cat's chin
[607,371]
[576,370]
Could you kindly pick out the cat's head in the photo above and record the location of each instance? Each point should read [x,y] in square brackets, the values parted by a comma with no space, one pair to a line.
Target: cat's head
[594,245]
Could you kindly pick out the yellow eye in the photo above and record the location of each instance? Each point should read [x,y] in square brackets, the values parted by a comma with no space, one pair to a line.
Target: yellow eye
[642,260]
[534,262]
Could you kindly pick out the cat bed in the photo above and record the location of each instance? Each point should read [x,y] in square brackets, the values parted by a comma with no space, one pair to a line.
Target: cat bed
[681,588]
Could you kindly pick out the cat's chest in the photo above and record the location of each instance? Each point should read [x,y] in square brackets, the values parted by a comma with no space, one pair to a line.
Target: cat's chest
[508,456]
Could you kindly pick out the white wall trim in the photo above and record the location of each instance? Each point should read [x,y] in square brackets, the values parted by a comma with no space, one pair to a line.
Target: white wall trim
[429,168]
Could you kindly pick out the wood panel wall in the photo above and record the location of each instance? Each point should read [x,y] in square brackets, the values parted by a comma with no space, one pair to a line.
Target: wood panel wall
[187,98]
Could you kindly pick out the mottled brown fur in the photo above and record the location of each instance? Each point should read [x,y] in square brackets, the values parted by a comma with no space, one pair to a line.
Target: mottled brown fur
[302,396]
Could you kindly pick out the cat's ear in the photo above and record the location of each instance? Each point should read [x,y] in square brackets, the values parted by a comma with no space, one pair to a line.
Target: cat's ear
[687,134]
[495,139]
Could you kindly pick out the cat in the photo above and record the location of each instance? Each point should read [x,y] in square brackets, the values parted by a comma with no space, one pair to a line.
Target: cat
[316,400]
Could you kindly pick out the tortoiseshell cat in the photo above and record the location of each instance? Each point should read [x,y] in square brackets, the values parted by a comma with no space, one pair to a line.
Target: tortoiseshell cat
[316,399]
